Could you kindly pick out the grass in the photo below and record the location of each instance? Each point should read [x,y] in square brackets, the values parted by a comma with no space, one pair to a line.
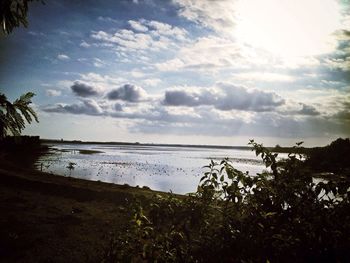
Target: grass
[49,218]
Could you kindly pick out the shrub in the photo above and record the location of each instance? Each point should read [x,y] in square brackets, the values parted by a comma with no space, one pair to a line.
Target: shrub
[278,215]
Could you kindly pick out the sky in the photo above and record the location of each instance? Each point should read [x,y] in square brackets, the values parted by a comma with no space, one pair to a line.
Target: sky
[184,71]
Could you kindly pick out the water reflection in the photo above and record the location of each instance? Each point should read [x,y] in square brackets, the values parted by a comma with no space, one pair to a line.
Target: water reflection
[159,167]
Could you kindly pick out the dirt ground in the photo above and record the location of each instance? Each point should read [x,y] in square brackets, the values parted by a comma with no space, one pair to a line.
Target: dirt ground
[48,218]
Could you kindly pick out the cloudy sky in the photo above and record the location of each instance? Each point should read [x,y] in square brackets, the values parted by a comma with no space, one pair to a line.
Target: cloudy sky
[184,71]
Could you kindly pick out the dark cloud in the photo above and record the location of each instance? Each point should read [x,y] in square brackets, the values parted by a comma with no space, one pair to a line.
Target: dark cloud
[182,98]
[87,107]
[206,120]
[343,115]
[225,97]
[127,92]
[84,90]
[337,64]
[118,107]
[308,110]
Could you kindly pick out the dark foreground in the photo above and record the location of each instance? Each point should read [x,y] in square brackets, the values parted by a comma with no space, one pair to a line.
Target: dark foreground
[280,215]
[47,218]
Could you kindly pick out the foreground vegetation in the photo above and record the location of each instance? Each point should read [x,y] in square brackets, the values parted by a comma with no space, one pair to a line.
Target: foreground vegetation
[283,214]
[13,116]
[280,215]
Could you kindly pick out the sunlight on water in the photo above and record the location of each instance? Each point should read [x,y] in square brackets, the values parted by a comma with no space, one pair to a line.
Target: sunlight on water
[162,168]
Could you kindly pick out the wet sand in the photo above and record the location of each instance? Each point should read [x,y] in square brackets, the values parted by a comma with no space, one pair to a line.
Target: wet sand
[48,218]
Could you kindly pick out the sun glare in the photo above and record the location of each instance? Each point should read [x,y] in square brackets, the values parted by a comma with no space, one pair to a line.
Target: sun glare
[288,28]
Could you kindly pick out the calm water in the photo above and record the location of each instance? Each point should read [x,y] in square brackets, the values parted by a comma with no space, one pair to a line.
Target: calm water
[162,168]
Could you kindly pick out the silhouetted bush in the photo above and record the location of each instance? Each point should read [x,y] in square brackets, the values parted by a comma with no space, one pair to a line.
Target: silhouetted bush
[280,215]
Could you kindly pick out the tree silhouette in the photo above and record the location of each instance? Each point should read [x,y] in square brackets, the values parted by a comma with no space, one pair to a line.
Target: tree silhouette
[13,13]
[13,115]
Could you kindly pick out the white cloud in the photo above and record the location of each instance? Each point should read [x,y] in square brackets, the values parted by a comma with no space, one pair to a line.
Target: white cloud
[264,76]
[158,29]
[338,63]
[98,63]
[102,81]
[107,19]
[84,44]
[53,92]
[63,57]
[218,15]
[152,82]
[206,53]
[125,38]
[170,65]
[158,36]
[137,74]
[137,26]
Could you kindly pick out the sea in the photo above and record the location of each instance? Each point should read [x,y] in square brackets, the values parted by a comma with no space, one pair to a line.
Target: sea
[166,168]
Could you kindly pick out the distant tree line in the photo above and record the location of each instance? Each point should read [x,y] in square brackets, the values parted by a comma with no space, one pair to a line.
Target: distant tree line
[334,158]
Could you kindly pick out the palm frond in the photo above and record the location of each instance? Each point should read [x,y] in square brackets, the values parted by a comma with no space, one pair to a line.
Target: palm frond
[33,113]
[3,99]
[14,115]
[27,97]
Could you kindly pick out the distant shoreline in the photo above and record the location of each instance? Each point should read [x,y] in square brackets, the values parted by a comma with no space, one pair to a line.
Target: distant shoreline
[147,144]
[246,148]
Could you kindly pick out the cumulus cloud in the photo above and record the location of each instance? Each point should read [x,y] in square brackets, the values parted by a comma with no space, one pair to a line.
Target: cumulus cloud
[308,110]
[224,97]
[85,106]
[82,89]
[127,92]
[298,109]
[158,118]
